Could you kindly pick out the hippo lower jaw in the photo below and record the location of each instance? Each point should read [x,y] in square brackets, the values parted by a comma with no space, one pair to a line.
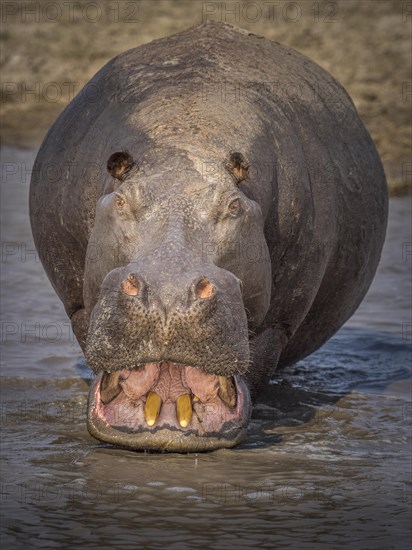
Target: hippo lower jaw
[168,407]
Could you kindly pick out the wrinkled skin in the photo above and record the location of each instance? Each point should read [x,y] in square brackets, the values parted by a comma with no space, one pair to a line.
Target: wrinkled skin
[200,239]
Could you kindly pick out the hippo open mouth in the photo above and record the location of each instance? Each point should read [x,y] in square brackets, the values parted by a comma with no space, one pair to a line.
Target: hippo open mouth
[167,406]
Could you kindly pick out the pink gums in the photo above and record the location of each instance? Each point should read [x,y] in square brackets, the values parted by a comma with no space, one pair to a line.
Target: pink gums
[169,381]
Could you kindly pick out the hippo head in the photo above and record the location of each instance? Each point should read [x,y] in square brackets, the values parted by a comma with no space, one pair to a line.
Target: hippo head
[171,305]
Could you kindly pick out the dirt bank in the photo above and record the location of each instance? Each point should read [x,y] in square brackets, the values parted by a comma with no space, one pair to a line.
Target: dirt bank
[51,49]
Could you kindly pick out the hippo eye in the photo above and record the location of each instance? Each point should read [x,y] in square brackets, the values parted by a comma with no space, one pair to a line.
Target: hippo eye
[119,200]
[234,208]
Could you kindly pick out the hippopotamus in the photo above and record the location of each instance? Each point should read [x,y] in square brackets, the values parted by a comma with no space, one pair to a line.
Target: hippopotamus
[209,209]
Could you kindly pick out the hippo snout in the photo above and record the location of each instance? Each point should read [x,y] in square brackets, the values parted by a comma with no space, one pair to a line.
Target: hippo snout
[194,318]
[169,348]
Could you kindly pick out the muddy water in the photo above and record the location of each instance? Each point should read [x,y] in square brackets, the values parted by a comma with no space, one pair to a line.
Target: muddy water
[326,463]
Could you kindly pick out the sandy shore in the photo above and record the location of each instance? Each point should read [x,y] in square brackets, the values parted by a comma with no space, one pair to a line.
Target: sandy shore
[51,49]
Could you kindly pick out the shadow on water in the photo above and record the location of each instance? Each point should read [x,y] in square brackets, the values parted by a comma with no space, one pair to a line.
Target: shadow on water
[355,359]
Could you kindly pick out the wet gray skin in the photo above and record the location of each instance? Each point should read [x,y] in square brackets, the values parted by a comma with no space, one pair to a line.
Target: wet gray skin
[199,242]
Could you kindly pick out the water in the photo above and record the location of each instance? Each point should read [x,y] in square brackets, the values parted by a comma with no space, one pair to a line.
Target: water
[326,463]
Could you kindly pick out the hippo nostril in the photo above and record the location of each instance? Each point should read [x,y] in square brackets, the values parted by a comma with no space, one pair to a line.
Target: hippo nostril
[131,285]
[204,288]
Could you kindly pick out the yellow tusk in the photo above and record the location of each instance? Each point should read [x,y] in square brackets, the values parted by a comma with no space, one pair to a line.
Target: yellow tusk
[152,408]
[184,410]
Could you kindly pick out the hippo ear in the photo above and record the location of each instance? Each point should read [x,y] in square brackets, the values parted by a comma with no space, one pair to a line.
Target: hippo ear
[237,166]
[120,164]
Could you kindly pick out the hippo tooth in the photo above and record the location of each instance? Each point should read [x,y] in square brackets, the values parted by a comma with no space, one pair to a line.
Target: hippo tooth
[109,387]
[152,408]
[227,391]
[184,409]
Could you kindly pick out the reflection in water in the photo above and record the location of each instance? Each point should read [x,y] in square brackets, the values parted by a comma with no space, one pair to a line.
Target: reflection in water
[326,462]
